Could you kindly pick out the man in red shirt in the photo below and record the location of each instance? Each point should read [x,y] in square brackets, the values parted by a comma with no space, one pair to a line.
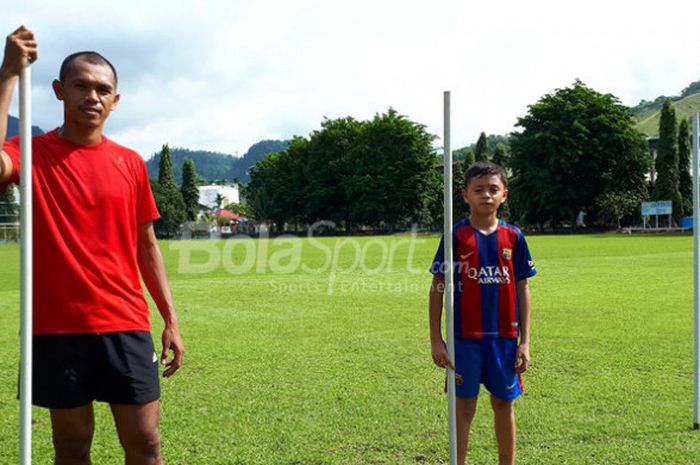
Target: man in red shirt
[93,235]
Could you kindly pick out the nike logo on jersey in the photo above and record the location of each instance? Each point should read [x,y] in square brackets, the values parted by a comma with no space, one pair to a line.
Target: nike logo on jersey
[465,256]
[510,387]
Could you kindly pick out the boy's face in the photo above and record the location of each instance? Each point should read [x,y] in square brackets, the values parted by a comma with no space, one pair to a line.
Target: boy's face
[485,194]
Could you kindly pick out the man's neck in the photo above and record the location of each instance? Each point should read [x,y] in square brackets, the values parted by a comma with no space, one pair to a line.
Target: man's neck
[81,135]
[484,224]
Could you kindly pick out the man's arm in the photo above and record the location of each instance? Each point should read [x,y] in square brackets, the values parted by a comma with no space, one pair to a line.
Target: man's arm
[6,167]
[438,348]
[20,49]
[522,359]
[154,275]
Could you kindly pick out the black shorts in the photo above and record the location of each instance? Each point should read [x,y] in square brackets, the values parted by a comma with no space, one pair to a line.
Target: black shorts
[71,370]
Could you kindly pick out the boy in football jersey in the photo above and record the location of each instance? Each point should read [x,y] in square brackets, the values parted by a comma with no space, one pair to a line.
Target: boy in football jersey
[491,308]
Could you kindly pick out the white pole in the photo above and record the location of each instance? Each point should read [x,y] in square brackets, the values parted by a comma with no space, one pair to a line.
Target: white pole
[25,384]
[696,274]
[449,286]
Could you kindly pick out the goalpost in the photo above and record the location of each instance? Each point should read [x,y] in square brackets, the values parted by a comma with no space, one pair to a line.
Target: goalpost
[696,272]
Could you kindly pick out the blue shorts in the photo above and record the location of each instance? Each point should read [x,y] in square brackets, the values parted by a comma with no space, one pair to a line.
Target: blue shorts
[490,362]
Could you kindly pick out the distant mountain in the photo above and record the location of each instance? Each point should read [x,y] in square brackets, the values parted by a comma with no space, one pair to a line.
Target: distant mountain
[214,166]
[648,112]
[13,127]
[255,153]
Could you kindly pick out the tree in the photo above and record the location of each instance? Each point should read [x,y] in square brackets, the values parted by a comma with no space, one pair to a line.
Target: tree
[377,173]
[277,188]
[614,206]
[8,206]
[391,172]
[685,182]
[469,158]
[575,145]
[481,152]
[667,181]
[168,198]
[328,171]
[500,156]
[190,193]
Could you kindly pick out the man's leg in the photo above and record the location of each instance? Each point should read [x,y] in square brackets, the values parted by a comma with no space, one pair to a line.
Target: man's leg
[465,414]
[73,429]
[504,420]
[137,426]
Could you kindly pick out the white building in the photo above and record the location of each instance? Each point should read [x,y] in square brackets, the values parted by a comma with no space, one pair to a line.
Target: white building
[208,194]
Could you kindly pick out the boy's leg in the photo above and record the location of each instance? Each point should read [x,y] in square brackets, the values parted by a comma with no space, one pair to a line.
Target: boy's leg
[72,431]
[504,422]
[468,354]
[465,414]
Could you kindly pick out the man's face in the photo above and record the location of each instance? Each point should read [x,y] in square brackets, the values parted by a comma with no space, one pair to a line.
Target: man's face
[485,194]
[88,92]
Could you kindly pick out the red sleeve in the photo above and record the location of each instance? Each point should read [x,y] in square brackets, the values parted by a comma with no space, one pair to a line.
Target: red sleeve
[11,148]
[146,210]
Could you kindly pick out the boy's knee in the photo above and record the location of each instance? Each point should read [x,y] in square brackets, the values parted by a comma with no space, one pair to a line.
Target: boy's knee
[467,407]
[501,405]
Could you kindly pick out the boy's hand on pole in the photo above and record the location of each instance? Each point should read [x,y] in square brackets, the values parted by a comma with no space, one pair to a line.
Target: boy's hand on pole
[440,355]
[522,358]
[20,50]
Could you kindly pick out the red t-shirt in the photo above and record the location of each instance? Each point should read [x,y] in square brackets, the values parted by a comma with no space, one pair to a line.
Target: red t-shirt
[88,204]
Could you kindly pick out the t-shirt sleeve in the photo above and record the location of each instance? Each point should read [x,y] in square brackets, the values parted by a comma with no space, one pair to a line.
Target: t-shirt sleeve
[438,266]
[146,210]
[524,266]
[11,148]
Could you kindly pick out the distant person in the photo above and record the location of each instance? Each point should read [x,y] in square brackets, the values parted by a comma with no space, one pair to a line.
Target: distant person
[581,218]
[93,223]
[491,309]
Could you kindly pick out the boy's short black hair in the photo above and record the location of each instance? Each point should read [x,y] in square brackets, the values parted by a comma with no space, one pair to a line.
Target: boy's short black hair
[485,168]
[91,57]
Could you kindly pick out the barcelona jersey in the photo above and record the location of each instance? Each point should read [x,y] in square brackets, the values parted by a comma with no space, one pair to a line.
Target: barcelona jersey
[486,269]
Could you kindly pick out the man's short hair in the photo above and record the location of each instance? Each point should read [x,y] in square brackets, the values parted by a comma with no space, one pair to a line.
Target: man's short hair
[485,168]
[91,57]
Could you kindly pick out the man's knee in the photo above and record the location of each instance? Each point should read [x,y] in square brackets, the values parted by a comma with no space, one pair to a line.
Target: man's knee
[73,445]
[143,444]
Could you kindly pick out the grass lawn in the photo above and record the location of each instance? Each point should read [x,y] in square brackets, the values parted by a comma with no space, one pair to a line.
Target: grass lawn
[286,365]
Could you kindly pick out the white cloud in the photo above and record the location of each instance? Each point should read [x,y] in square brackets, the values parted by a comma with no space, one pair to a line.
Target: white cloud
[221,75]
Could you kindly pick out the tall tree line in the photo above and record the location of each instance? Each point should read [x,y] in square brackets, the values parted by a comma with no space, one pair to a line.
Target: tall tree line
[673,181]
[175,205]
[377,173]
[577,148]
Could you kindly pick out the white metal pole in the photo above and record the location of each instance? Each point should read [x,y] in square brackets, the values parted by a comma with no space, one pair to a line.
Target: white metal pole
[696,274]
[449,286]
[25,384]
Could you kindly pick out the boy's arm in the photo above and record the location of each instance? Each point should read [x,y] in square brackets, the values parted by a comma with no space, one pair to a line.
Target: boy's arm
[522,358]
[438,348]
[153,271]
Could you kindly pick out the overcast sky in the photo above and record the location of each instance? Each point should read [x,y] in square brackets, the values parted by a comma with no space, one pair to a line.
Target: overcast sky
[222,75]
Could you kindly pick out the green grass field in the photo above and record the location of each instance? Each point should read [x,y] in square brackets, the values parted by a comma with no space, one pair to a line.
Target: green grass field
[313,367]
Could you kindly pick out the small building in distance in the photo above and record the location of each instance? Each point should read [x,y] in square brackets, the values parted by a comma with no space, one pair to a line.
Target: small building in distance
[208,195]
